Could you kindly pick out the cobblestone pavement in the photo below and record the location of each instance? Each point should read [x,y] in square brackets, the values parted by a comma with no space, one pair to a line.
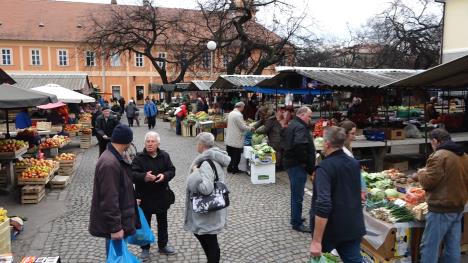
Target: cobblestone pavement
[258,219]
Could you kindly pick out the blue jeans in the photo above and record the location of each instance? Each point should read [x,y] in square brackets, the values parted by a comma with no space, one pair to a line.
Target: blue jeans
[349,251]
[297,177]
[441,227]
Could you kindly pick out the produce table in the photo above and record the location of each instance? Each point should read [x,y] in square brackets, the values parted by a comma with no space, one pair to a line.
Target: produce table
[379,148]
[41,133]
[387,241]
[10,174]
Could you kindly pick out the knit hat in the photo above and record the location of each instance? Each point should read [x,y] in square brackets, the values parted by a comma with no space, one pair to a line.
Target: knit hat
[122,134]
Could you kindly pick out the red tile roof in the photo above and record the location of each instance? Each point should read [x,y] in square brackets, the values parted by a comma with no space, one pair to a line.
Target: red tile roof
[71,21]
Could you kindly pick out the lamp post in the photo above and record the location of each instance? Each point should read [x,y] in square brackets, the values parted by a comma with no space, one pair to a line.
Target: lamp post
[211,45]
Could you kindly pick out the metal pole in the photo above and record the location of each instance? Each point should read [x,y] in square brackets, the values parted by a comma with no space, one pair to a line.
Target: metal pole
[211,64]
[7,136]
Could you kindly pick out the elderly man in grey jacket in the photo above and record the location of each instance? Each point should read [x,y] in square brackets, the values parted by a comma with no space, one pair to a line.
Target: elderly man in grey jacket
[206,226]
[235,136]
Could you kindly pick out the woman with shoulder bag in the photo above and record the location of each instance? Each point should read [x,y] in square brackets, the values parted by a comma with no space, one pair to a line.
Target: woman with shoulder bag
[206,169]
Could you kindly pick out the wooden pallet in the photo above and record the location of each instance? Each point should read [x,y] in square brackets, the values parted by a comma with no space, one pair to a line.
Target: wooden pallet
[60,182]
[66,167]
[32,194]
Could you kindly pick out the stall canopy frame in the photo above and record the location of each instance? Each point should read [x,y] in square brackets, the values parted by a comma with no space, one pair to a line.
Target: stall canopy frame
[237,82]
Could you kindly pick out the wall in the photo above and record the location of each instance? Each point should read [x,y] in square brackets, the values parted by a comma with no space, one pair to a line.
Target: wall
[455,33]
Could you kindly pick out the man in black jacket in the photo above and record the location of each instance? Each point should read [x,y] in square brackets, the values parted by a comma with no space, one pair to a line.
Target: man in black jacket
[105,125]
[336,215]
[152,170]
[299,161]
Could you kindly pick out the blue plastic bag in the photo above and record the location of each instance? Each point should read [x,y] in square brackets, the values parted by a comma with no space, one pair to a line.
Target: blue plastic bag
[118,253]
[144,235]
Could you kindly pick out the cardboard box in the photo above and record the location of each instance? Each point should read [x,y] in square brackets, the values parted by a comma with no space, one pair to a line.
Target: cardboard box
[395,134]
[400,165]
[5,238]
[262,173]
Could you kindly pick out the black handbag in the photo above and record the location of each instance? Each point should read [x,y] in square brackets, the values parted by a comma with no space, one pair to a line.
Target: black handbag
[216,200]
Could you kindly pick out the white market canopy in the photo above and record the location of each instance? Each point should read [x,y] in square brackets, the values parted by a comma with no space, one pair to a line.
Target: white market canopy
[64,94]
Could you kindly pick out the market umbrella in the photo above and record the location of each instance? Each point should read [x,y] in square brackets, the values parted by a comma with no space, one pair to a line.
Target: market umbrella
[14,97]
[51,105]
[64,94]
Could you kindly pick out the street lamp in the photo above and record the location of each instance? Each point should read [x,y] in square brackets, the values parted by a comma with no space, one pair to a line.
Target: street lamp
[211,45]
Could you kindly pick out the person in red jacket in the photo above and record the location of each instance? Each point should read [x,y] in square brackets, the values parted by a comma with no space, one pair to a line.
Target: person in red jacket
[180,116]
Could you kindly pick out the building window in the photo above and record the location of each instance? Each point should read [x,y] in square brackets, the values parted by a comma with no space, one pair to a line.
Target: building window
[115,91]
[139,60]
[162,55]
[115,60]
[63,57]
[90,58]
[6,56]
[206,59]
[36,57]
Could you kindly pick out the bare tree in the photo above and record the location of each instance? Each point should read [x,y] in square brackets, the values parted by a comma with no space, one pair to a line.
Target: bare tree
[247,46]
[146,30]
[408,37]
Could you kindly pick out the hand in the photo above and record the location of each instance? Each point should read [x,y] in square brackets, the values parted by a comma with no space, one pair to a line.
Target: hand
[159,178]
[363,197]
[138,202]
[117,235]
[105,137]
[149,177]
[315,249]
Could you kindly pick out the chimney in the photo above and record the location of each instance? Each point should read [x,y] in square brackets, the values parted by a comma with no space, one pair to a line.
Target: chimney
[113,2]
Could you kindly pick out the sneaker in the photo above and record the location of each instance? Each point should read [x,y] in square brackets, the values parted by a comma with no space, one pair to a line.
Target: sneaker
[145,254]
[302,229]
[167,250]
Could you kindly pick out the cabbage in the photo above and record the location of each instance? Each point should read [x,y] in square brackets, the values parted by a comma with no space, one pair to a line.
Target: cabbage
[318,142]
[377,194]
[392,193]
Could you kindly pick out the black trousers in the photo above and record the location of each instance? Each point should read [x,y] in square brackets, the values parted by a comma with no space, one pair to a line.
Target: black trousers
[210,245]
[102,145]
[130,121]
[161,218]
[151,122]
[235,154]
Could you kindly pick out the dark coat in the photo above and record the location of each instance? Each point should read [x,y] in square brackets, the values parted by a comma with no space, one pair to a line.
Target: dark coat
[131,110]
[154,197]
[105,128]
[337,197]
[299,148]
[113,206]
[273,129]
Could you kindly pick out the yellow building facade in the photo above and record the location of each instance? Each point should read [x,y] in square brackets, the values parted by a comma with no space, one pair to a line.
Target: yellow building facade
[455,38]
[33,39]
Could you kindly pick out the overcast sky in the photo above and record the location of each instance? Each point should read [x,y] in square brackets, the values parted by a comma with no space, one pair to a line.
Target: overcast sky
[330,17]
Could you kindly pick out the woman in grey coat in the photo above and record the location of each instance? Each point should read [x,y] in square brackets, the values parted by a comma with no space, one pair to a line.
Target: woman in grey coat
[206,226]
[131,111]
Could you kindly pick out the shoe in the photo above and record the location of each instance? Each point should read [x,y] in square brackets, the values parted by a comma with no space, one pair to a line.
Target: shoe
[167,250]
[145,254]
[302,228]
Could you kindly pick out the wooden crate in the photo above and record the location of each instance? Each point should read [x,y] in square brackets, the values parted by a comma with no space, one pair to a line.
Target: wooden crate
[66,167]
[43,126]
[32,194]
[5,239]
[186,130]
[35,181]
[60,182]
[394,134]
[85,141]
[13,155]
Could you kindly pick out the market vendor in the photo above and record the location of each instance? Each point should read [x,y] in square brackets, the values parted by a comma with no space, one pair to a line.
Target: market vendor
[63,111]
[272,126]
[54,117]
[431,112]
[445,180]
[180,116]
[22,119]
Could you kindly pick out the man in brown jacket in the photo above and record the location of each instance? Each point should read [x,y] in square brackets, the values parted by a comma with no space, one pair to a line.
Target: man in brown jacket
[445,180]
[113,208]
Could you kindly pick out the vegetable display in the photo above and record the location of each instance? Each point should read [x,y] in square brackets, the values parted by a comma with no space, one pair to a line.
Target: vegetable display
[262,150]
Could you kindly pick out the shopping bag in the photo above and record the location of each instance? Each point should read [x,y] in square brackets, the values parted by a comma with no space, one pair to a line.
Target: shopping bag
[146,120]
[144,235]
[118,253]
[325,258]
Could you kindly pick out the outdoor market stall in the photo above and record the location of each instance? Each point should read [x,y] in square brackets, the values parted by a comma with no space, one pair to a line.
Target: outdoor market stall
[384,124]
[14,97]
